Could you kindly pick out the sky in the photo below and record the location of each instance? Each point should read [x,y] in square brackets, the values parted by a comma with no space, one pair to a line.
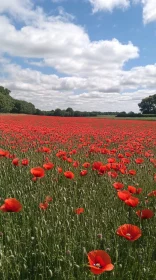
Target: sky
[94,55]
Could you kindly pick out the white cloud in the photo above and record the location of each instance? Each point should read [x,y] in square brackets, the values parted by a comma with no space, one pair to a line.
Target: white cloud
[149,7]
[109,5]
[149,10]
[22,10]
[69,52]
[94,68]
[90,93]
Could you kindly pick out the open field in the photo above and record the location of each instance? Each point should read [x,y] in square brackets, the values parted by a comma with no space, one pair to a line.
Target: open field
[126,118]
[93,176]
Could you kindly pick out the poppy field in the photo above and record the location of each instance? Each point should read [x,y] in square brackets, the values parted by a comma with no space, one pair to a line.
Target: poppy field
[77,198]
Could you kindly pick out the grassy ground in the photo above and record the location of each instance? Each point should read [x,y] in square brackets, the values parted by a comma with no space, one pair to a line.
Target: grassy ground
[126,118]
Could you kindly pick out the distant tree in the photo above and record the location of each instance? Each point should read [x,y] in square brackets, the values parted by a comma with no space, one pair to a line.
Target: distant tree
[38,112]
[58,112]
[70,112]
[148,105]
[77,114]
[6,103]
[4,91]
[23,107]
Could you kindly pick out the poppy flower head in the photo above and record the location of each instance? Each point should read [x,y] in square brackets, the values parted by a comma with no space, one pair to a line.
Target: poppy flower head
[132,172]
[48,165]
[43,206]
[37,172]
[79,211]
[75,163]
[3,153]
[153,193]
[129,232]
[69,174]
[11,205]
[118,185]
[96,165]
[145,213]
[131,189]
[103,169]
[139,160]
[132,201]
[25,162]
[15,161]
[59,169]
[99,262]
[124,195]
[83,173]
[86,164]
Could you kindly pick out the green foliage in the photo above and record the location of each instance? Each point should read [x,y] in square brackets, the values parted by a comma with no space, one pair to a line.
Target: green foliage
[148,105]
[23,107]
[11,105]
[6,103]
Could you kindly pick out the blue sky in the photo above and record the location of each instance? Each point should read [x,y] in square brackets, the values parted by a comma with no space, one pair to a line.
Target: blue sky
[86,54]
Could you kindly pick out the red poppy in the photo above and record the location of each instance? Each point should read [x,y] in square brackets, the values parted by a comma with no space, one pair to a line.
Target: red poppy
[11,205]
[3,153]
[46,150]
[139,160]
[37,172]
[145,213]
[99,262]
[79,211]
[69,160]
[15,161]
[59,169]
[43,206]
[86,164]
[75,163]
[153,193]
[113,174]
[48,165]
[69,174]
[103,169]
[124,195]
[118,185]
[48,199]
[96,165]
[132,172]
[138,191]
[111,160]
[131,189]
[132,201]
[130,232]
[83,172]
[25,162]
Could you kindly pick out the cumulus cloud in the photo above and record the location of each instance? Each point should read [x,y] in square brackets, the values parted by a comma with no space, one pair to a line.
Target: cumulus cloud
[93,70]
[149,10]
[68,52]
[149,7]
[109,5]
[121,92]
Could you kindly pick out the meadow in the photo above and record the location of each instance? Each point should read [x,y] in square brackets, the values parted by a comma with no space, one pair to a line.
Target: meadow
[77,198]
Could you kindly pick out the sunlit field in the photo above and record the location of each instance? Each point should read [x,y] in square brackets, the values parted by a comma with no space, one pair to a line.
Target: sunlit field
[78,198]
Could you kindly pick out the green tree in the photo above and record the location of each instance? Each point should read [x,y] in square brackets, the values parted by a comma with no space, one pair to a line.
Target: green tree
[23,107]
[4,91]
[70,112]
[6,103]
[148,105]
[58,112]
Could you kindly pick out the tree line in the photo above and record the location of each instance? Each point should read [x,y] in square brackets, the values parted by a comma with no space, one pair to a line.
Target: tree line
[10,105]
